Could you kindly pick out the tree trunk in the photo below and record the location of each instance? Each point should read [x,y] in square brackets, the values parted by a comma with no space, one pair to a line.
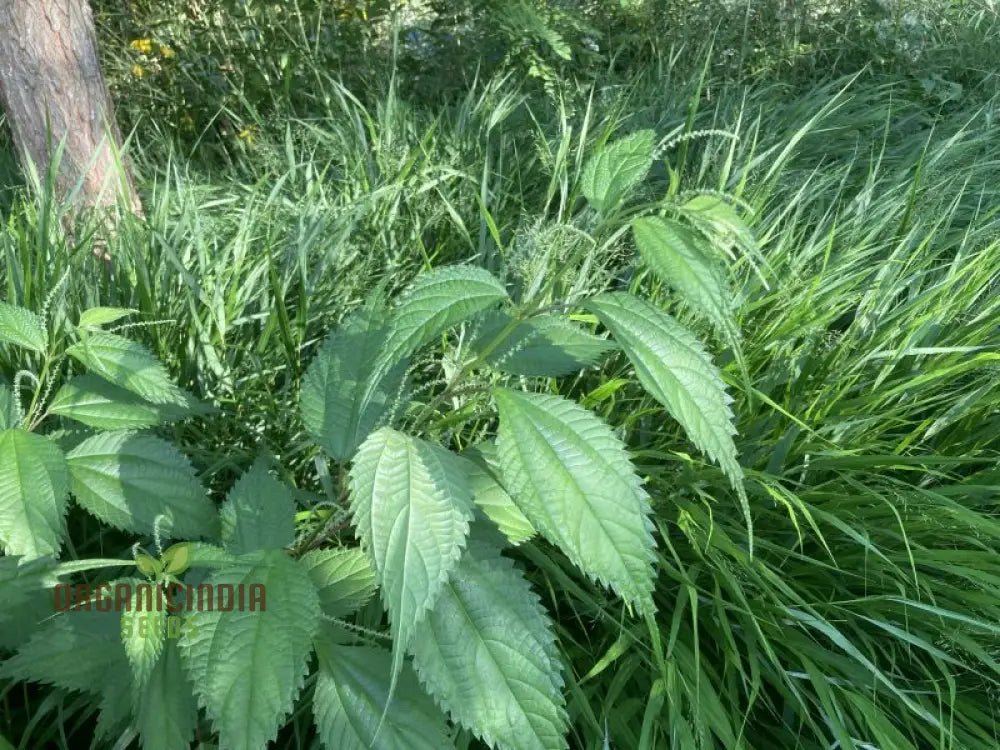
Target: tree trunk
[51,87]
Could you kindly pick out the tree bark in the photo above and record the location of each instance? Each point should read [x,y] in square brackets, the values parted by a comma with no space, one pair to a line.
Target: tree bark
[51,88]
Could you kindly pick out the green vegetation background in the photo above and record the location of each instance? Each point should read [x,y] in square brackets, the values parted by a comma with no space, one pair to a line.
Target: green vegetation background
[296,158]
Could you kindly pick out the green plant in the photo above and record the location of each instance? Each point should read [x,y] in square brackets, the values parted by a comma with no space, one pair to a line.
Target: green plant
[433,522]
[124,389]
[554,468]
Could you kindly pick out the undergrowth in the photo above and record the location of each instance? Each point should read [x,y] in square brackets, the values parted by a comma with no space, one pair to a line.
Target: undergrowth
[865,384]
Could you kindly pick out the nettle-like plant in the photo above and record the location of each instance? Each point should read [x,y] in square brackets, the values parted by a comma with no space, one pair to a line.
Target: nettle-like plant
[439,480]
[125,478]
[433,522]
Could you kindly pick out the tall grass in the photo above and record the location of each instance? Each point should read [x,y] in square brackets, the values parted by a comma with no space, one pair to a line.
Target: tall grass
[869,616]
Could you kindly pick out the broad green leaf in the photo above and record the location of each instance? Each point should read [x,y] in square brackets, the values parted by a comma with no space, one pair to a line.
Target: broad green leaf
[340,403]
[492,498]
[33,486]
[9,417]
[247,667]
[258,513]
[24,619]
[67,440]
[21,580]
[411,505]
[574,481]
[74,650]
[487,654]
[118,699]
[22,328]
[674,368]
[129,365]
[202,555]
[167,714]
[343,578]
[548,345]
[162,710]
[674,254]
[436,301]
[352,690]
[98,316]
[143,630]
[128,480]
[610,174]
[95,402]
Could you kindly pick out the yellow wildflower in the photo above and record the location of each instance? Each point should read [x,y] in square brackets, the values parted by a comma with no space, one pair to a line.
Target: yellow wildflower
[165,52]
[248,135]
[138,71]
[145,46]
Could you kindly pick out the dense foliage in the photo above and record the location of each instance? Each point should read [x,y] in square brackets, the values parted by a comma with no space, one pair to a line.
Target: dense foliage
[562,383]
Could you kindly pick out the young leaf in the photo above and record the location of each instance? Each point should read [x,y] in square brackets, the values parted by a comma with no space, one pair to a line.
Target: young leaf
[95,402]
[127,364]
[411,506]
[258,513]
[248,666]
[674,368]
[437,301]
[574,481]
[98,316]
[343,578]
[352,690]
[166,713]
[33,486]
[487,654]
[149,566]
[127,480]
[492,498]
[548,345]
[339,401]
[22,328]
[673,252]
[143,629]
[617,168]
[177,558]
[723,219]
